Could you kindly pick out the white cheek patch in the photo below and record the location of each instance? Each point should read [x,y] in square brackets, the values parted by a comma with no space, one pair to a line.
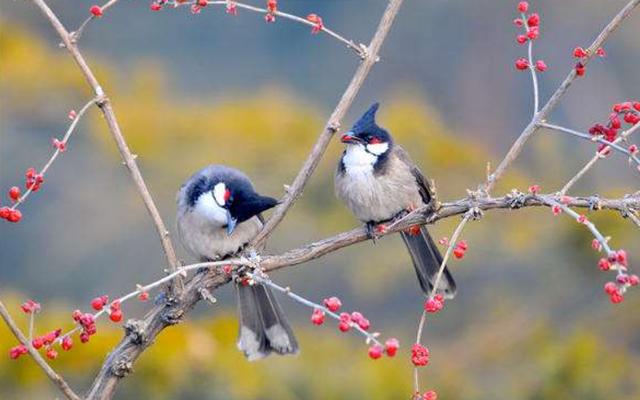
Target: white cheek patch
[358,160]
[378,148]
[207,208]
[218,193]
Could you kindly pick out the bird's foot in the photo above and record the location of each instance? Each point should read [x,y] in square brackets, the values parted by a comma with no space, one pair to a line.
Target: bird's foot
[375,230]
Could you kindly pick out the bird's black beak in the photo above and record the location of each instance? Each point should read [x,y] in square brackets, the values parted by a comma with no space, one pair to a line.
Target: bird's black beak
[350,138]
[231,223]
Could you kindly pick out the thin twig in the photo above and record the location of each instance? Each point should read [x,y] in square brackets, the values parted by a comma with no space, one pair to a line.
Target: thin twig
[116,133]
[598,139]
[532,127]
[319,148]
[53,376]
[370,337]
[423,318]
[57,152]
[534,76]
[600,154]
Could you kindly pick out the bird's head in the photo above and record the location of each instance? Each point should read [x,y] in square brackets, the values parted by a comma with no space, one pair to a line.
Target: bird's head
[226,203]
[367,134]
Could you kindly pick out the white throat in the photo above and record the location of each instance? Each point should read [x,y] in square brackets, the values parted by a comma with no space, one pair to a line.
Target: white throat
[360,160]
[208,209]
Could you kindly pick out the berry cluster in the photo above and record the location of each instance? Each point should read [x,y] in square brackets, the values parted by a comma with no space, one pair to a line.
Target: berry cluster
[317,21]
[419,355]
[460,249]
[617,261]
[531,31]
[33,182]
[581,54]
[346,321]
[434,304]
[272,8]
[628,112]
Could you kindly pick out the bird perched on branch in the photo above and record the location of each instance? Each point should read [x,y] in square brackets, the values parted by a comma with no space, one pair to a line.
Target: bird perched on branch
[218,214]
[378,182]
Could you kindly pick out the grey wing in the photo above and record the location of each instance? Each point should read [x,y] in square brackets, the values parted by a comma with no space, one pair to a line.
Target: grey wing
[426,191]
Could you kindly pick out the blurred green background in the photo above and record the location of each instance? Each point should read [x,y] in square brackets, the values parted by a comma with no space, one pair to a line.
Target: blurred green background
[530,321]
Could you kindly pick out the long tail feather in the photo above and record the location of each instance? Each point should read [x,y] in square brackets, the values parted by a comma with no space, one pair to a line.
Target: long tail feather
[263,325]
[427,260]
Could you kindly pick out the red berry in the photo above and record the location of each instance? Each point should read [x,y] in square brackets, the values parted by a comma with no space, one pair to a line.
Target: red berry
[518,22]
[430,395]
[621,257]
[116,315]
[115,305]
[463,245]
[375,351]
[67,343]
[202,3]
[76,315]
[98,303]
[604,264]
[155,7]
[522,64]
[144,296]
[616,297]
[84,337]
[50,337]
[523,6]
[636,105]
[600,52]
[556,210]
[634,280]
[579,52]
[541,66]
[14,193]
[419,355]
[332,303]
[391,346]
[582,219]
[534,20]
[580,69]
[272,5]
[633,149]
[317,21]
[317,317]
[344,326]
[622,279]
[631,118]
[4,212]
[60,145]
[364,324]
[533,33]
[413,230]
[96,11]
[610,288]
[534,189]
[72,115]
[433,305]
[38,342]
[270,18]
[522,39]
[52,354]
[458,253]
[30,306]
[615,122]
[14,216]
[17,351]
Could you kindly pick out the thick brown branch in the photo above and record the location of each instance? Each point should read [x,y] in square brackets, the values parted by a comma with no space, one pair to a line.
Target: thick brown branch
[105,105]
[295,190]
[534,125]
[53,376]
[459,207]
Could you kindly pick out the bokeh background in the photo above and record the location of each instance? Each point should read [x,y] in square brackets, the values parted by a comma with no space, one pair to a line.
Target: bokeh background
[530,320]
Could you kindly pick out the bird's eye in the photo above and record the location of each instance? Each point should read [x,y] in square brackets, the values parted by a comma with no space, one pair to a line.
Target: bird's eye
[374,140]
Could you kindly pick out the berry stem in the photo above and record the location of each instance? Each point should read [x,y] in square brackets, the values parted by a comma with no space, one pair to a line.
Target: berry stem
[264,280]
[598,139]
[532,68]
[57,152]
